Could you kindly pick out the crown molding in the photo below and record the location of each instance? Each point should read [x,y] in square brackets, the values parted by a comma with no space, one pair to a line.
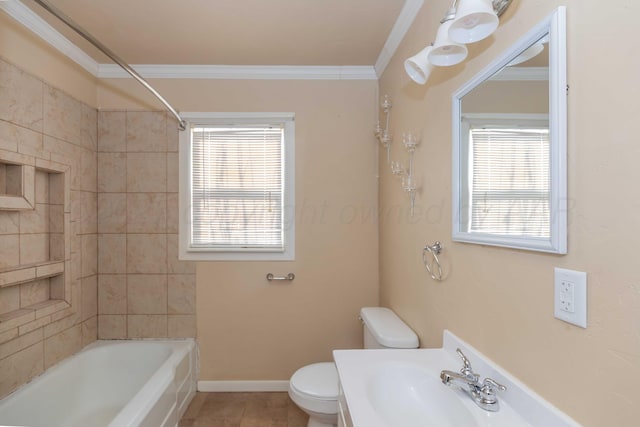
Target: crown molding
[236,72]
[403,23]
[521,73]
[25,16]
[28,18]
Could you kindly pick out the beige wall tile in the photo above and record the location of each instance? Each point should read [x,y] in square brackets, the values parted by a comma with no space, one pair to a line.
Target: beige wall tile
[181,294]
[34,292]
[172,213]
[56,219]
[20,367]
[62,345]
[57,247]
[89,255]
[172,133]
[172,172]
[147,294]
[34,248]
[35,220]
[89,128]
[146,131]
[42,186]
[9,250]
[112,172]
[62,115]
[147,253]
[8,335]
[146,326]
[112,294]
[89,213]
[89,170]
[89,331]
[174,265]
[147,172]
[112,327]
[112,131]
[146,212]
[22,97]
[181,326]
[112,253]
[9,222]
[89,295]
[20,343]
[9,299]
[112,212]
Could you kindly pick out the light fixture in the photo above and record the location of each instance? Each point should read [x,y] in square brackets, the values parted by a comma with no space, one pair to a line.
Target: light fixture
[447,52]
[475,20]
[471,21]
[383,135]
[418,66]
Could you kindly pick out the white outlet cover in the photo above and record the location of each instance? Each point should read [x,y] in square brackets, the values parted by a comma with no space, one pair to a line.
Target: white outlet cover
[578,316]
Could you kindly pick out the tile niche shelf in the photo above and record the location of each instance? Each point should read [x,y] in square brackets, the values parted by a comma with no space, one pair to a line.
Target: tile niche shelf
[35,238]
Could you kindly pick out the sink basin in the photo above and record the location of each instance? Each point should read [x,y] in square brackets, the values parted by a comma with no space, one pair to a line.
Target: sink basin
[407,395]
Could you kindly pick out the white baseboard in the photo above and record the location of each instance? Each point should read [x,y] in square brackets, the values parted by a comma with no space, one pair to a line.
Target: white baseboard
[238,386]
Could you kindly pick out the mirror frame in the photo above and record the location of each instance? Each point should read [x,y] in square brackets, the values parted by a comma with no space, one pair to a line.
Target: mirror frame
[555,26]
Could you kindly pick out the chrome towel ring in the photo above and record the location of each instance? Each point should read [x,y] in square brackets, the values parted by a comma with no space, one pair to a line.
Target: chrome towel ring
[431,260]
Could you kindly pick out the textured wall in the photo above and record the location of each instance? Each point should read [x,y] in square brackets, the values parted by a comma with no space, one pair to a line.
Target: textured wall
[143,290]
[45,123]
[501,300]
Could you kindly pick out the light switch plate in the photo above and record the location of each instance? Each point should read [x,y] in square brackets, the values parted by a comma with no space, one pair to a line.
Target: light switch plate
[570,296]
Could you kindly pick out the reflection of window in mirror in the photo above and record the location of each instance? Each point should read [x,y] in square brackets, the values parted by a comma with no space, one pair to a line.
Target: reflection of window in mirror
[505,186]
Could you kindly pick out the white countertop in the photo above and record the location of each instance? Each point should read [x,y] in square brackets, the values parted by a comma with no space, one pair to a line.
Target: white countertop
[519,406]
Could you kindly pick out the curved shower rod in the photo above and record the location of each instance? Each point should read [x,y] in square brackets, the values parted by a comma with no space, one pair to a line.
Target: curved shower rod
[115,58]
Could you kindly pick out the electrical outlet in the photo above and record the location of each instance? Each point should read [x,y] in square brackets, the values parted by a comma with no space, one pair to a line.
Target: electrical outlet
[570,296]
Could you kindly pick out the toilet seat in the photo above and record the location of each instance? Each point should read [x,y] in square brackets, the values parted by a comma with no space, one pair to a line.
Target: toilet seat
[315,387]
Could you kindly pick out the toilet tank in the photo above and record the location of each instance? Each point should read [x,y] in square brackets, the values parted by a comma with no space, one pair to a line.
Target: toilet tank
[384,329]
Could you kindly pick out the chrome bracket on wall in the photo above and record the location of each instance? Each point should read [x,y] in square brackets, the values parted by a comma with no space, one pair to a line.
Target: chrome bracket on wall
[289,277]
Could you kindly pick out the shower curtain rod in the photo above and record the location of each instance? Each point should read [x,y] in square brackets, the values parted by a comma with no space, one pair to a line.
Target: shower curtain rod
[78,29]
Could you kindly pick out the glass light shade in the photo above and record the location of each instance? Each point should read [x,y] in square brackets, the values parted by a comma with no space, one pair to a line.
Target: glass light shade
[418,66]
[528,54]
[446,52]
[475,20]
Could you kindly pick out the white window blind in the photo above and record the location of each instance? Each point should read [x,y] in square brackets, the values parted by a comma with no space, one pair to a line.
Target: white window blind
[237,188]
[510,181]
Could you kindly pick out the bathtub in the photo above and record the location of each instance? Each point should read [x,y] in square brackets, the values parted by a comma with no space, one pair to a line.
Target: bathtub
[109,384]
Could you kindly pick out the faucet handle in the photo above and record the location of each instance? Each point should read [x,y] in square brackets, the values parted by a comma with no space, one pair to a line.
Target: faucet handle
[465,361]
[488,392]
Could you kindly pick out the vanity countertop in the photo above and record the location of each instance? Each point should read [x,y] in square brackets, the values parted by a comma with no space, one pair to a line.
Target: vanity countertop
[377,395]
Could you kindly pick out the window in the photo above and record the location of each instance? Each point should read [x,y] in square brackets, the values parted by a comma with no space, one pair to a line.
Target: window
[509,178]
[236,184]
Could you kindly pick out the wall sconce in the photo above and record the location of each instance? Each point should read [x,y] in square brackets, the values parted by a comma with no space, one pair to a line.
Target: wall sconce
[409,183]
[383,134]
[467,21]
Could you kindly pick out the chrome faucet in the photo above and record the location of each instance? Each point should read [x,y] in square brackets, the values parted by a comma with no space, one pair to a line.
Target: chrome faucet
[483,393]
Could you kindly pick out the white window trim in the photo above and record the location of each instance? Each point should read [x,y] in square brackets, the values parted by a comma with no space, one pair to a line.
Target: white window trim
[184,251]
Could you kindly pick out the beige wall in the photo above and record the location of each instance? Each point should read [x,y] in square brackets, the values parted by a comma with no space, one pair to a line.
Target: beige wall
[501,300]
[247,328]
[520,97]
[42,322]
[28,51]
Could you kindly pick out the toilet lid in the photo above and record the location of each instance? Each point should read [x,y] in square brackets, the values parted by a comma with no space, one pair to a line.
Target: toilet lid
[319,381]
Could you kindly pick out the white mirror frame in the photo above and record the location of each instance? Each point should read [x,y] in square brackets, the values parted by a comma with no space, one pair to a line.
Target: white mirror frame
[555,26]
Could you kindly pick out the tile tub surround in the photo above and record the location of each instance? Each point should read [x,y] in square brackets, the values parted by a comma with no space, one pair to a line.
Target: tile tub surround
[41,122]
[144,291]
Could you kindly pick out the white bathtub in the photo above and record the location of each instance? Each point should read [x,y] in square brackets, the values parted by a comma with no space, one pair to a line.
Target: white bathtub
[109,383]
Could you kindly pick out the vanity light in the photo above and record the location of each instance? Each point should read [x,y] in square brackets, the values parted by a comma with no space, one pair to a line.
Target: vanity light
[475,20]
[471,21]
[418,66]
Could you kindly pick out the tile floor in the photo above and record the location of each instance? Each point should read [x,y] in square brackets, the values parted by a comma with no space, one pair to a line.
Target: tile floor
[243,410]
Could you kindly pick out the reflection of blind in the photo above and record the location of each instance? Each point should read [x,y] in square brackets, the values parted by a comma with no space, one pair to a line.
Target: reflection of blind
[510,181]
[237,187]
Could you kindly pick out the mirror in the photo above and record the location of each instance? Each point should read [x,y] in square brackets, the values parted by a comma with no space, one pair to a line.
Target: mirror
[509,146]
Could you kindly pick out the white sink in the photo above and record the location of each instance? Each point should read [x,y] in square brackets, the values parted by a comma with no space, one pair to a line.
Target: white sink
[407,395]
[402,388]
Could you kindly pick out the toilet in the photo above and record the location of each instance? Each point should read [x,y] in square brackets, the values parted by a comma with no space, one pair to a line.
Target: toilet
[314,388]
